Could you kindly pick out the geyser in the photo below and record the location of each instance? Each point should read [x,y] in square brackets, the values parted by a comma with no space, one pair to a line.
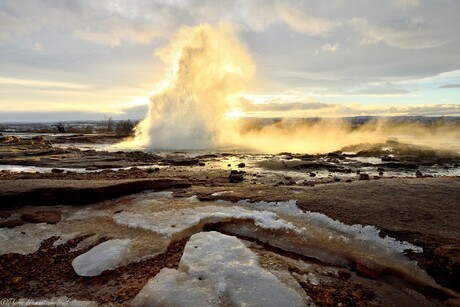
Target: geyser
[210,68]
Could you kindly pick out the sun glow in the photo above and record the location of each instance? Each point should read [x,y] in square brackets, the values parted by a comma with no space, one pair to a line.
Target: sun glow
[235,114]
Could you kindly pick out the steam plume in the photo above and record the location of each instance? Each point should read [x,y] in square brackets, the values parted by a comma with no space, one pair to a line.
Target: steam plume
[210,67]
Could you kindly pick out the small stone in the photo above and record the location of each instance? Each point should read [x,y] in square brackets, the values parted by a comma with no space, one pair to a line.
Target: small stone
[235,178]
[343,274]
[241,165]
[418,174]
[363,176]
[369,271]
[57,171]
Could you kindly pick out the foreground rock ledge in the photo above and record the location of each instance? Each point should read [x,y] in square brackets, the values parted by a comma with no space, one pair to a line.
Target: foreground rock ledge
[20,193]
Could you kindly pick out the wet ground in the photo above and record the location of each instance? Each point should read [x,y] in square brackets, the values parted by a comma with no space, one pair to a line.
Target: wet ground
[409,193]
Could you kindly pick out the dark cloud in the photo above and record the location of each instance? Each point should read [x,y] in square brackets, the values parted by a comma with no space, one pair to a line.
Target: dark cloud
[450,86]
[283,106]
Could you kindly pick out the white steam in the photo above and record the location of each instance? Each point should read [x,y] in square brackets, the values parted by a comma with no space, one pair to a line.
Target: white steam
[210,68]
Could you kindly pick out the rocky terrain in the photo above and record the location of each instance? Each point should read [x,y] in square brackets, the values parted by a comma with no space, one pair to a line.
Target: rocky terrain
[297,219]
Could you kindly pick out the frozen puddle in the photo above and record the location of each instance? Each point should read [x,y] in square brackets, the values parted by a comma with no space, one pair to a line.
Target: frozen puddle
[217,270]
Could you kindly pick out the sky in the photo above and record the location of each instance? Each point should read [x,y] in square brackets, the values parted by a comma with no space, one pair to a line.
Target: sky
[76,59]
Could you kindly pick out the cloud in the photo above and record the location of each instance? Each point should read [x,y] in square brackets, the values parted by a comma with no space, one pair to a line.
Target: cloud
[279,106]
[426,110]
[405,34]
[404,4]
[450,86]
[41,83]
[301,22]
[115,32]
[377,91]
[331,48]
[11,26]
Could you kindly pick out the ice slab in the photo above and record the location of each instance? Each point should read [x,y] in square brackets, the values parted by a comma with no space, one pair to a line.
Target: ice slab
[217,270]
[107,255]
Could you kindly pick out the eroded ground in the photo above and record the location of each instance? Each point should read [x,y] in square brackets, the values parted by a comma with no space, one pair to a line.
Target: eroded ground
[59,203]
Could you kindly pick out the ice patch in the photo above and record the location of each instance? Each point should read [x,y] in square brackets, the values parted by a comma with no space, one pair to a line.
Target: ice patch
[107,255]
[174,221]
[367,234]
[217,270]
[25,239]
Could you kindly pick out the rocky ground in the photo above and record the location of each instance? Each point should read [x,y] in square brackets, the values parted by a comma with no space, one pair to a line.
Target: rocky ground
[411,195]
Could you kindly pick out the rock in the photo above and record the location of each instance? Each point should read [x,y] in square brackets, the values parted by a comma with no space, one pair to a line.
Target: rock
[348,180]
[49,217]
[380,173]
[9,139]
[179,161]
[201,164]
[235,178]
[368,270]
[241,165]
[418,174]
[229,165]
[11,223]
[387,159]
[363,176]
[343,274]
[4,215]
[312,174]
[57,171]
[399,165]
[38,138]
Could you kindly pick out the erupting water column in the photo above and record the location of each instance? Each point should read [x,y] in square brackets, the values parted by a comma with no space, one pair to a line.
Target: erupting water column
[210,68]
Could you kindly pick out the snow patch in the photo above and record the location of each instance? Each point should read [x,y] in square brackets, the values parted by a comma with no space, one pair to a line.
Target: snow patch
[217,269]
[107,255]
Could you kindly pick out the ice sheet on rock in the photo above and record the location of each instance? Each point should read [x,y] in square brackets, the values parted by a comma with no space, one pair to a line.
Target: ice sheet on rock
[173,221]
[25,239]
[367,234]
[107,255]
[218,270]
